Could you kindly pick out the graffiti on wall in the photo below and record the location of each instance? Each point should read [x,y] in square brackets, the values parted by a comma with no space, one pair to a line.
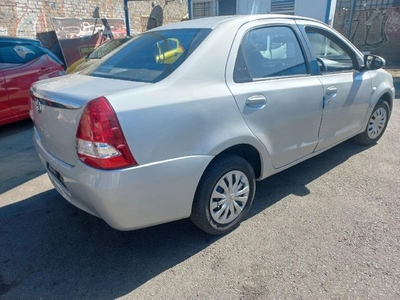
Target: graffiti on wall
[367,28]
[393,23]
[374,30]
[27,18]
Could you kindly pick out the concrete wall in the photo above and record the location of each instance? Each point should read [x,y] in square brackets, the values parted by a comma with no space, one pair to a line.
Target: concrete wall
[319,10]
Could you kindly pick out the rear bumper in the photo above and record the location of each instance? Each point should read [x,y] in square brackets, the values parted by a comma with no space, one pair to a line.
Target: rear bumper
[131,198]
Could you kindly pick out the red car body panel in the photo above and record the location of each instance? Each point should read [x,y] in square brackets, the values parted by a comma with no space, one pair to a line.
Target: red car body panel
[15,83]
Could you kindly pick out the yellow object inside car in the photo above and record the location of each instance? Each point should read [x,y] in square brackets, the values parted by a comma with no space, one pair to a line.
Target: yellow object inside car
[169,50]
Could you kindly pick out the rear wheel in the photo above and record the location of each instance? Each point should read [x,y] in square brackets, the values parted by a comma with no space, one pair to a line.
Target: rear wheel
[376,124]
[224,195]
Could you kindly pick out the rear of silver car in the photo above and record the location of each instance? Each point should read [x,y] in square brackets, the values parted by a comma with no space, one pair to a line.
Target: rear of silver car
[108,194]
[124,198]
[76,117]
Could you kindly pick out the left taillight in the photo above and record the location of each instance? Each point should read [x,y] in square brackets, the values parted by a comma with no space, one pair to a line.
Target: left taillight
[99,138]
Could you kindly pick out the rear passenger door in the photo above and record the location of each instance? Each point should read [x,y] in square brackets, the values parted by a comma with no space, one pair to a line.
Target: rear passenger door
[269,77]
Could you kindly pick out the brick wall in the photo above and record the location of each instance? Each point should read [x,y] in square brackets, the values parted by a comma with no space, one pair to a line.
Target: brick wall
[26,18]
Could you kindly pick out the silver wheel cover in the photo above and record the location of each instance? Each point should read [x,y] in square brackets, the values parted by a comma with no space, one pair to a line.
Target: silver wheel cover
[377,123]
[229,197]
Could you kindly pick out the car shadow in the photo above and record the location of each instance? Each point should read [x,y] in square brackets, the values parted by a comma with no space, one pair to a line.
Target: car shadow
[18,159]
[50,249]
[295,179]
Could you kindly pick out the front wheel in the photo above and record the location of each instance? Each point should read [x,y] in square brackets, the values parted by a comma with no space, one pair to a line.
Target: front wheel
[224,195]
[376,124]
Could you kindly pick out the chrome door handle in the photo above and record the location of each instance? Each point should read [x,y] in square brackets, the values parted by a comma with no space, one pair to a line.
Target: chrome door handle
[256,101]
[331,91]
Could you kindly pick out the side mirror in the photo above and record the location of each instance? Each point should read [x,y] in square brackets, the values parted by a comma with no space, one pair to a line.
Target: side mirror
[373,62]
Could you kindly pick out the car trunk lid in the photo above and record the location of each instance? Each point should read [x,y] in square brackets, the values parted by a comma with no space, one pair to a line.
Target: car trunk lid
[57,106]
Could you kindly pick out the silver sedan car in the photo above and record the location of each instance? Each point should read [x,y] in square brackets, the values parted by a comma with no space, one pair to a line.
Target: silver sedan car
[182,120]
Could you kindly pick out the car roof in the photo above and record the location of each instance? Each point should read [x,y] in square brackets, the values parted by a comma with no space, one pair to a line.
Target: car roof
[7,40]
[213,22]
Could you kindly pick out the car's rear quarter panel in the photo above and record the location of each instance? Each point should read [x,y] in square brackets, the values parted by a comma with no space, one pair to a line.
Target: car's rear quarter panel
[191,112]
[180,123]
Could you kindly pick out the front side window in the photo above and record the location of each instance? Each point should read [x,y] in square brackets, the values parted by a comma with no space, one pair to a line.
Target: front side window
[269,52]
[150,57]
[331,55]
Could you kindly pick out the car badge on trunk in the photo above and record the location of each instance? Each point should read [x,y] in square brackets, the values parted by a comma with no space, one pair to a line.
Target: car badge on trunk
[38,105]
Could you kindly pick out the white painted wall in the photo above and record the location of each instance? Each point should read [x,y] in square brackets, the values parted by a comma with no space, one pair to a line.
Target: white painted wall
[252,7]
[316,9]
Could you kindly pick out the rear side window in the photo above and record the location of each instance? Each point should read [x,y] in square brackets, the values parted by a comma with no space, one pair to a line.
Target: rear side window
[269,52]
[14,55]
[152,56]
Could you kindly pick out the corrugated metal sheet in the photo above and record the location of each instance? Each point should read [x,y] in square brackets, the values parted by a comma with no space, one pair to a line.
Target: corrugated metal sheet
[282,6]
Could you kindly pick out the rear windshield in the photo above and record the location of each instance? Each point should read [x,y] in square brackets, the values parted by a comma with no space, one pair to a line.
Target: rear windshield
[152,56]
[106,48]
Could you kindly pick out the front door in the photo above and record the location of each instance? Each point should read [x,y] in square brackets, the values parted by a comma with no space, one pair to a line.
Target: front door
[347,92]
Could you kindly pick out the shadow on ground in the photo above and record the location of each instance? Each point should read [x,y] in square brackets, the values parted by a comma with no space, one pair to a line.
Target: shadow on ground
[51,250]
[18,159]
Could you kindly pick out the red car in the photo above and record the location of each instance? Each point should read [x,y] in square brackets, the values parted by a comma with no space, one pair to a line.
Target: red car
[22,62]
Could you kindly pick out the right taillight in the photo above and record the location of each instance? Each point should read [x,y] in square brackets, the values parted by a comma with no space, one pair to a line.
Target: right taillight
[100,141]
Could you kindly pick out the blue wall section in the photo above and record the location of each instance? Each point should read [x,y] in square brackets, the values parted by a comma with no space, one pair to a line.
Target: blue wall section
[227,7]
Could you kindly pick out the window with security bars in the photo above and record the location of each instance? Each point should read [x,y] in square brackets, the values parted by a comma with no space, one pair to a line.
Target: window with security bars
[282,7]
[204,8]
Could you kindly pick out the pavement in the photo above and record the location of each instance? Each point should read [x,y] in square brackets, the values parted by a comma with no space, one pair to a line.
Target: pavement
[394,70]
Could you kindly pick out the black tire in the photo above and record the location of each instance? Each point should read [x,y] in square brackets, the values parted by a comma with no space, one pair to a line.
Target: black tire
[219,215]
[376,126]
